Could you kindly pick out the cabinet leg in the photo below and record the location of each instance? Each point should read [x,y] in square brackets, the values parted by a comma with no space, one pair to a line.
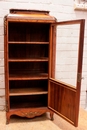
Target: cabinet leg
[51,116]
[7,120]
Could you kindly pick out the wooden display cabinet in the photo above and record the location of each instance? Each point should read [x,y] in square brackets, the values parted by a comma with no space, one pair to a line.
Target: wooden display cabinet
[31,88]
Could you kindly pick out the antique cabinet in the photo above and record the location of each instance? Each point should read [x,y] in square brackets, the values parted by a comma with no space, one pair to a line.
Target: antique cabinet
[29,52]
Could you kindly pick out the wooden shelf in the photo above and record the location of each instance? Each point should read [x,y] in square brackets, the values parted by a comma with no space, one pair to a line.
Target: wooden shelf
[28,60]
[33,108]
[28,76]
[21,42]
[27,91]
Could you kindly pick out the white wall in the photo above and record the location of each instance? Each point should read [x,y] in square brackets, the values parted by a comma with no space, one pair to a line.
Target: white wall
[62,10]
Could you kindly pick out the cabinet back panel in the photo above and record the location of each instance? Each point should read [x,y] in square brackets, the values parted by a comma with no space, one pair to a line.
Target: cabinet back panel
[28,67]
[28,32]
[28,101]
[29,84]
[28,50]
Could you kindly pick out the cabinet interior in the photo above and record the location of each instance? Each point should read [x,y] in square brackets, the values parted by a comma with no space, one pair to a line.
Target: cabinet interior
[28,101]
[28,32]
[28,87]
[27,68]
[28,51]
[28,62]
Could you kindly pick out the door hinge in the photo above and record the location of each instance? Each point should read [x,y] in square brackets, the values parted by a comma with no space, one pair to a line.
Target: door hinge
[5,25]
[79,77]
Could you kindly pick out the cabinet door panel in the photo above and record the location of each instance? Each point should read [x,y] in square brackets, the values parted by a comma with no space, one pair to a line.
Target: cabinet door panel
[62,100]
[66,52]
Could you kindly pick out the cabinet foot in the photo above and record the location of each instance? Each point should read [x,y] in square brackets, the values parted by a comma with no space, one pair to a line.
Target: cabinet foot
[7,120]
[51,116]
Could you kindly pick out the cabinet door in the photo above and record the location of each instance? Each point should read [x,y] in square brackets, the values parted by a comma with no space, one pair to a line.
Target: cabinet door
[65,69]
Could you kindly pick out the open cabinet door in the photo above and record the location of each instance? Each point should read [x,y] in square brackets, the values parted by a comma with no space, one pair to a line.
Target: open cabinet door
[65,69]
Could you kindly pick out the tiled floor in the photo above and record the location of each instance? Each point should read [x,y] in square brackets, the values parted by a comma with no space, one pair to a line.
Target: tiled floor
[42,123]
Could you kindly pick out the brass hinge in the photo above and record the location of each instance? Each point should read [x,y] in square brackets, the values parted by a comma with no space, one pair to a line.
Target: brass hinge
[79,77]
[7,106]
[5,25]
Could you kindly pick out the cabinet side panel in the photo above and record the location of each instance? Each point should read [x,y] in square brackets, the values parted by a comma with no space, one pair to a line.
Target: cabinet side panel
[6,62]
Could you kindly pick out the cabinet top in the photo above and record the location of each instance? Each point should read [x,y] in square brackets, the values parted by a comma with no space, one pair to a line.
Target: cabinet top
[27,11]
[30,16]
